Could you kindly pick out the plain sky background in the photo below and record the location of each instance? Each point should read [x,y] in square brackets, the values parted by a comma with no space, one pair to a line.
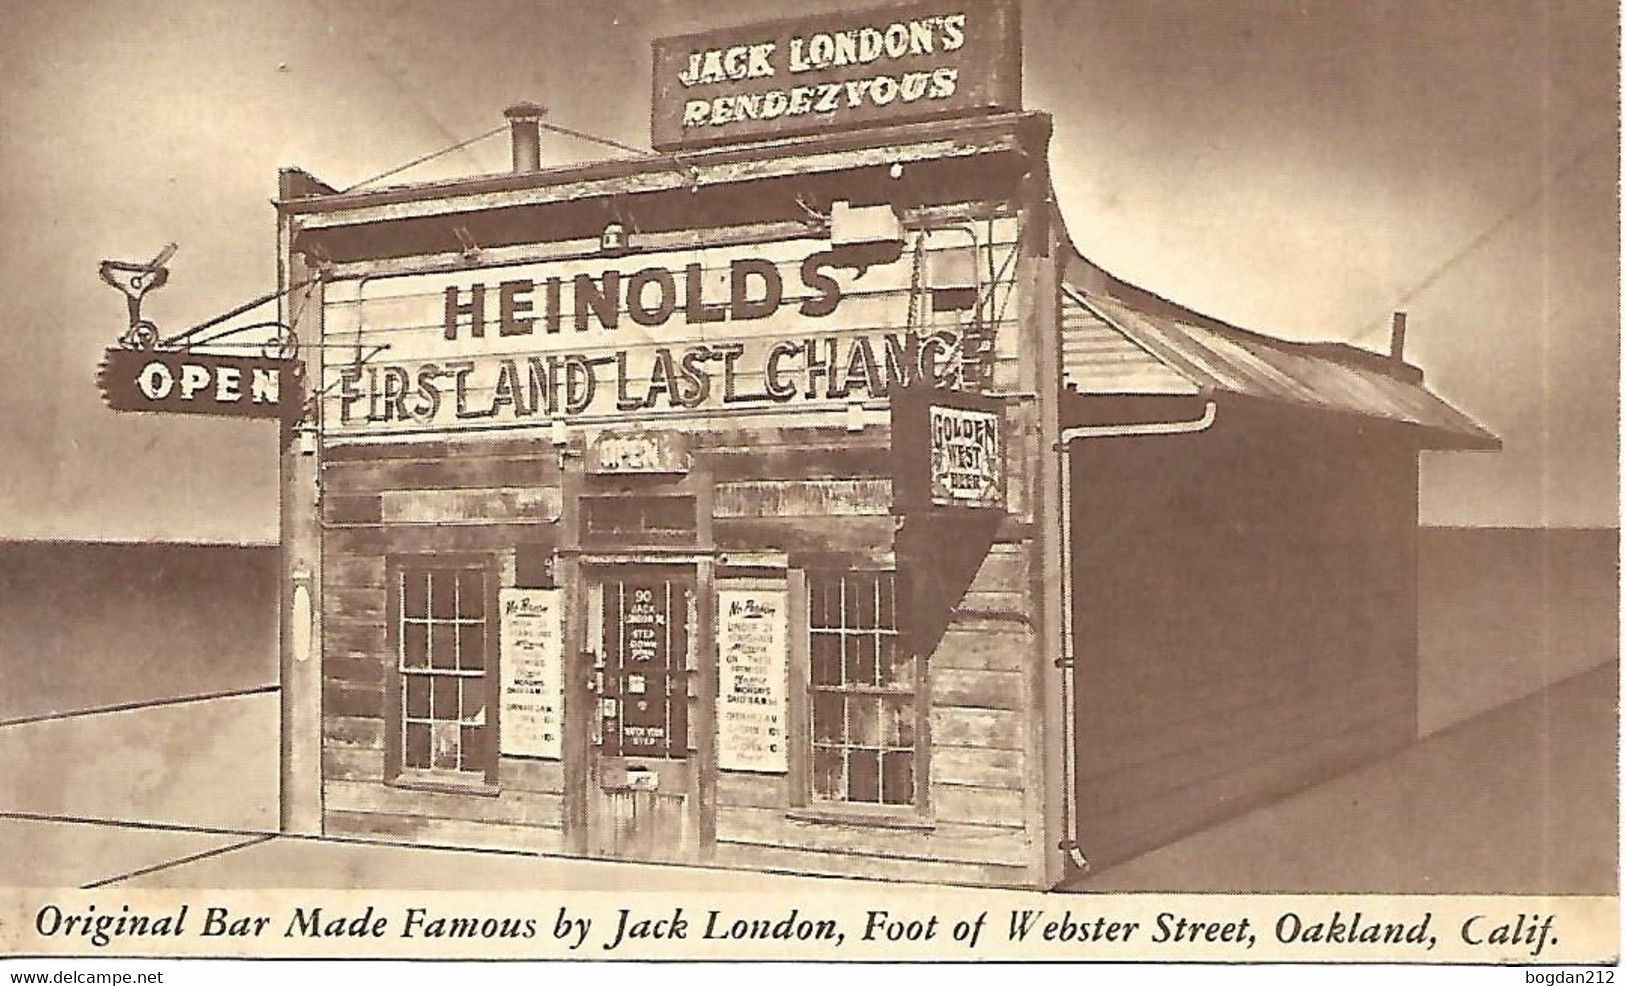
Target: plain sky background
[1298,168]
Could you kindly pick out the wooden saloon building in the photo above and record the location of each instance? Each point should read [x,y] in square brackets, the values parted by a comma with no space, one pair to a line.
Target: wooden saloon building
[796,498]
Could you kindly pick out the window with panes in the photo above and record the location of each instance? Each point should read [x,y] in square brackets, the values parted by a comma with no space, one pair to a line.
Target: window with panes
[442,652]
[863,685]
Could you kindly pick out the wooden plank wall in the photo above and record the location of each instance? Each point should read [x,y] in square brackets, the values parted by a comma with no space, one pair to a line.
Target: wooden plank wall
[1244,618]
[821,496]
[978,833]
[357,482]
[1098,359]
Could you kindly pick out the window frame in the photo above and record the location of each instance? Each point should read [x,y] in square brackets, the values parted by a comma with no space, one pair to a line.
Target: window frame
[916,814]
[642,497]
[396,774]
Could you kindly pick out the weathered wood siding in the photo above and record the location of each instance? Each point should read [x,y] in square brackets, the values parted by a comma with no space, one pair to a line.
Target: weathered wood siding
[820,496]
[528,811]
[787,481]
[1244,617]
[978,831]
[1096,358]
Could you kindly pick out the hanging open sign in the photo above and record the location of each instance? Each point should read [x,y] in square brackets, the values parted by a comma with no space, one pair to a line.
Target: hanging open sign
[183,382]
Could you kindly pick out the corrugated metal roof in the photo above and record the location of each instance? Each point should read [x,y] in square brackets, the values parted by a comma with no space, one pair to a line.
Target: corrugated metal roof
[1099,359]
[1196,352]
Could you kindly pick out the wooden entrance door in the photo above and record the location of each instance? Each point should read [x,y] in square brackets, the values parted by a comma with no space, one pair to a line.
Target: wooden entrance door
[641,800]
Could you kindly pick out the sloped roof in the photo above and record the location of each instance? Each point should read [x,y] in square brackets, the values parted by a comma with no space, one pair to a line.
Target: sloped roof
[1118,339]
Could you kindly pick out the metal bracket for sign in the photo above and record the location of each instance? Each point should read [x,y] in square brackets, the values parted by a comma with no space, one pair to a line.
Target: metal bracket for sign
[135,280]
[147,371]
[284,344]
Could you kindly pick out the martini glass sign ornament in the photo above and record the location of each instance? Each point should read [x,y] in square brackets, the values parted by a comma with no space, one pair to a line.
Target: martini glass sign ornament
[146,372]
[135,280]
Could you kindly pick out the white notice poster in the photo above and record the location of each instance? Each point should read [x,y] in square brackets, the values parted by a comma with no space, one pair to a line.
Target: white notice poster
[753,645]
[532,672]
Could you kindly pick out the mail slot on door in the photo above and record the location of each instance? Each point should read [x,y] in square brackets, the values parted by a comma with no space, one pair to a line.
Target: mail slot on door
[628,777]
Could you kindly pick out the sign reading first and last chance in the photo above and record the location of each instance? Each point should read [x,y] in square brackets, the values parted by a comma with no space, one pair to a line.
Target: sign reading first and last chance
[604,340]
[836,71]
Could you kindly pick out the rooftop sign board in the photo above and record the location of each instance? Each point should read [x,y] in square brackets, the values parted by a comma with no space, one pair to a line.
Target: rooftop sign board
[836,71]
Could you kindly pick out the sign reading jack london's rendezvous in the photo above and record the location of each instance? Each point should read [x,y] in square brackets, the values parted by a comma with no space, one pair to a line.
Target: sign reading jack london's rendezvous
[860,68]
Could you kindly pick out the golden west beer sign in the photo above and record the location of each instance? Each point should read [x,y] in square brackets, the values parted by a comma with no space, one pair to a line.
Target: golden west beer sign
[967,457]
[624,340]
[814,74]
[950,450]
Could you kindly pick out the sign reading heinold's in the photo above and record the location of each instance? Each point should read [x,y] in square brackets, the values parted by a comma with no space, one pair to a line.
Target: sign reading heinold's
[764,328]
[814,74]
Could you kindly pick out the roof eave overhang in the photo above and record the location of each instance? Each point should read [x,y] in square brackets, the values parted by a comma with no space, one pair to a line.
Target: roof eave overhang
[963,137]
[1137,408]
[1438,440]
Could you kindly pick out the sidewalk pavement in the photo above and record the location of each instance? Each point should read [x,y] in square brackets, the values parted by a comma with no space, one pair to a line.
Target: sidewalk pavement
[1519,800]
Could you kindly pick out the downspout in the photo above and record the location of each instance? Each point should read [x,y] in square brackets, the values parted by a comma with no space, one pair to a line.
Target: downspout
[1209,413]
[1068,661]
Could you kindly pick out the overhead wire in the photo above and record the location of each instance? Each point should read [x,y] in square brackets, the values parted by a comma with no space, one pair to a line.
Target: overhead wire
[1487,234]
[545,125]
[595,139]
[427,157]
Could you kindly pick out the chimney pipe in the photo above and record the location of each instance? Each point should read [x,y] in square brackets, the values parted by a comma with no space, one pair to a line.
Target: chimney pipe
[524,123]
[1396,341]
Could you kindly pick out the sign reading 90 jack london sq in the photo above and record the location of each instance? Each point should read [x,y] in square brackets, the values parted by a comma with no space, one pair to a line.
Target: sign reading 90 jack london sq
[834,71]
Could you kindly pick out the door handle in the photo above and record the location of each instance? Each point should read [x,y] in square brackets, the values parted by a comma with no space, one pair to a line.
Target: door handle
[595,679]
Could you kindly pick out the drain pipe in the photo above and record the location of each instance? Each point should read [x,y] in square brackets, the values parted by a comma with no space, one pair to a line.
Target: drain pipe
[1067,662]
[1209,413]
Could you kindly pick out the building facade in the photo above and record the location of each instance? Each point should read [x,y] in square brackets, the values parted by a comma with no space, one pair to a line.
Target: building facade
[800,501]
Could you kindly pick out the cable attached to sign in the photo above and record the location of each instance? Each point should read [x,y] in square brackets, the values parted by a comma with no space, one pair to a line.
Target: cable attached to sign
[147,371]
[427,157]
[692,172]
[973,351]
